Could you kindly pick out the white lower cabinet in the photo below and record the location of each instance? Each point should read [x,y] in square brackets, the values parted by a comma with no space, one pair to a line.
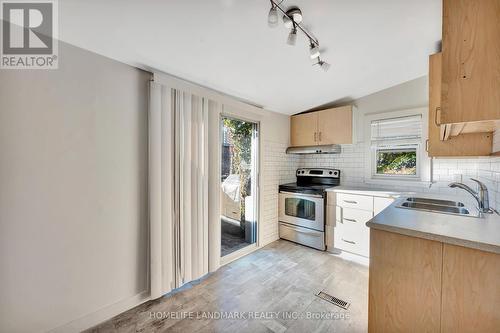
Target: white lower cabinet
[379,204]
[351,234]
[346,228]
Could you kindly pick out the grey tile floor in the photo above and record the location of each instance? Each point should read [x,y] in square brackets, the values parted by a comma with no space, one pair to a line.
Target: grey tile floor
[276,285]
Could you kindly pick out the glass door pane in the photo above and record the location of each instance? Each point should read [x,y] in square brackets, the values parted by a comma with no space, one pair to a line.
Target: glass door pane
[238,185]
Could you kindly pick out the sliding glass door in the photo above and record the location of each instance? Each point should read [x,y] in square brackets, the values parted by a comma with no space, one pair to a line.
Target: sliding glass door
[239,190]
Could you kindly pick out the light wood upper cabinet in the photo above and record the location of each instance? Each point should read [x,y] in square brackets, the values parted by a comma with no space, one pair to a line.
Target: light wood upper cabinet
[331,126]
[303,129]
[335,125]
[470,92]
[472,144]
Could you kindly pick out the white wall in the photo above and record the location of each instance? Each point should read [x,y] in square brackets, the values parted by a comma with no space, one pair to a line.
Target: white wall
[73,194]
[408,95]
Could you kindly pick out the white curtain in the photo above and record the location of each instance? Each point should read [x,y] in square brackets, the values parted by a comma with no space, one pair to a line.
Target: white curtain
[193,185]
[178,183]
[161,190]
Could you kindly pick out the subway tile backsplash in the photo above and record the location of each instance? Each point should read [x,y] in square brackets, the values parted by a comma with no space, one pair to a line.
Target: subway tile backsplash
[280,168]
[277,168]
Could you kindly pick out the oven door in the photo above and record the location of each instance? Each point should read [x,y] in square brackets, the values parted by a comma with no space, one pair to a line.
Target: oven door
[305,210]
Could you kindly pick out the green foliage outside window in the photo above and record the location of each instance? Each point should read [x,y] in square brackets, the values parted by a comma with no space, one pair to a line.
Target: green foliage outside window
[397,162]
[241,136]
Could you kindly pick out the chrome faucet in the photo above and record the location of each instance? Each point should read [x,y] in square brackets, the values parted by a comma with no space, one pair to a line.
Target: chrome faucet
[481,195]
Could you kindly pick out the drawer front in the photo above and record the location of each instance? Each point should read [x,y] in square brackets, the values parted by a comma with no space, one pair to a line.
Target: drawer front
[357,216]
[363,202]
[353,240]
[351,234]
[308,237]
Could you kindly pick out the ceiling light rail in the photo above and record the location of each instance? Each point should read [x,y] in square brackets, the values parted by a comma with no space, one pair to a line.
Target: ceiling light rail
[292,19]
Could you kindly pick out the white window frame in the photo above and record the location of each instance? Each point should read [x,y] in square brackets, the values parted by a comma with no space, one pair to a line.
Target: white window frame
[423,167]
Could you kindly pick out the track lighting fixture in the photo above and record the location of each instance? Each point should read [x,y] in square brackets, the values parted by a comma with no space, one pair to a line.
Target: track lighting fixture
[272,17]
[292,19]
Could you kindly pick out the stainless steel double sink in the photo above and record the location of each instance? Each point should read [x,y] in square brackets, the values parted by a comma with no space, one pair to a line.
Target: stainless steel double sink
[436,205]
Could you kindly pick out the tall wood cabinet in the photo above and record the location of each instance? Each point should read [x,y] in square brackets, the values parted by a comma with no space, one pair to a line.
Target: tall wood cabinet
[472,144]
[331,126]
[470,88]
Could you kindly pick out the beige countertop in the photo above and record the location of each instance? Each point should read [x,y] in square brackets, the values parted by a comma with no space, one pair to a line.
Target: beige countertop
[482,233]
[366,191]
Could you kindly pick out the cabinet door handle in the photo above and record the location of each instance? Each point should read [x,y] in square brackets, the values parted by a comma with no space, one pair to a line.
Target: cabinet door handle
[427,145]
[350,220]
[348,241]
[315,134]
[351,202]
[319,136]
[438,109]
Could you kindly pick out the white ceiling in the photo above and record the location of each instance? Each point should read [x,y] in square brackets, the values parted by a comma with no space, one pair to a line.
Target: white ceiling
[226,44]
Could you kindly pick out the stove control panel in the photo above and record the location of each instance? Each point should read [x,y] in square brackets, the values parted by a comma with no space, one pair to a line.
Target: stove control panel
[320,172]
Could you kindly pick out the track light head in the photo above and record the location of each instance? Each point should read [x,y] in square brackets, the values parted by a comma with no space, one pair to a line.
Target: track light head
[324,65]
[314,51]
[292,17]
[292,36]
[272,17]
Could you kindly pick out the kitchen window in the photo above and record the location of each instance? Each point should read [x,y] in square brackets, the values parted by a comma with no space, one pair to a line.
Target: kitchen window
[396,147]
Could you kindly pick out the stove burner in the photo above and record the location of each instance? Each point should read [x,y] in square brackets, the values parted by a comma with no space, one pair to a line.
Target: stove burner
[306,189]
[313,181]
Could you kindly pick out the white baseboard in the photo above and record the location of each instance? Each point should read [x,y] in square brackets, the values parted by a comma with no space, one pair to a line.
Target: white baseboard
[352,257]
[99,316]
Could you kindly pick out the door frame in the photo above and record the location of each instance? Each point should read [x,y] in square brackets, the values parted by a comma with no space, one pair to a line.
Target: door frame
[256,173]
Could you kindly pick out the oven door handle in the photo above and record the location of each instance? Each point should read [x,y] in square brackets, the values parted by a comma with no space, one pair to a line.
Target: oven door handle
[302,194]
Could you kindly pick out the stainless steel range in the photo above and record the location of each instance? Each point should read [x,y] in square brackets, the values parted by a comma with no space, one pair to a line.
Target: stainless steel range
[302,206]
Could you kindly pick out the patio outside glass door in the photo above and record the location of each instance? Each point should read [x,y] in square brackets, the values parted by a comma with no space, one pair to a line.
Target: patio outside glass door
[239,197]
